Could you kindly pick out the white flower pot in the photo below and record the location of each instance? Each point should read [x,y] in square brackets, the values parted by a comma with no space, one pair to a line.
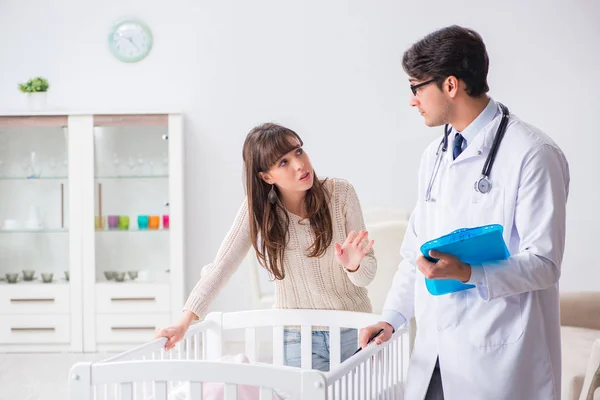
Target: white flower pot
[37,100]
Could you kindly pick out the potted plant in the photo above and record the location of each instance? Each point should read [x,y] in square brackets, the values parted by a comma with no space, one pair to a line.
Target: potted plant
[36,89]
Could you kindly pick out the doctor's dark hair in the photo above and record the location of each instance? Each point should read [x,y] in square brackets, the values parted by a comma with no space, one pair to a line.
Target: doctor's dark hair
[451,51]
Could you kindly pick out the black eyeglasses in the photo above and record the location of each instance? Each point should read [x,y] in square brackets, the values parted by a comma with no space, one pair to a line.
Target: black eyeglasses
[415,87]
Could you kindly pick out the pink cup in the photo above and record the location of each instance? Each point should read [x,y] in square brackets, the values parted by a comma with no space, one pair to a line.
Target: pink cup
[165,222]
[113,222]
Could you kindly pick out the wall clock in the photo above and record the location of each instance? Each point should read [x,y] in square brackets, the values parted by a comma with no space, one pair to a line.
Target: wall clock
[130,40]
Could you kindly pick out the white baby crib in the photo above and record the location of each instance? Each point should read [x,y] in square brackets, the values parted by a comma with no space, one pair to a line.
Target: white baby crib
[149,372]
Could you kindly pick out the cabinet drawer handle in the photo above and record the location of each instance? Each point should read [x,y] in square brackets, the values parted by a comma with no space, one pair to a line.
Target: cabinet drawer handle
[133,328]
[133,299]
[32,300]
[32,329]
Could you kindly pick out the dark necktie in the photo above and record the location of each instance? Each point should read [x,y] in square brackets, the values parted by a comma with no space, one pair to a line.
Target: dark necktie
[458,142]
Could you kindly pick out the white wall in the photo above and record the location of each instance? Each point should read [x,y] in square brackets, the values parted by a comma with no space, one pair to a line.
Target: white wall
[328,69]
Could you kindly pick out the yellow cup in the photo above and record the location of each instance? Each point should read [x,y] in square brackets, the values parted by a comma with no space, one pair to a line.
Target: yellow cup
[100,222]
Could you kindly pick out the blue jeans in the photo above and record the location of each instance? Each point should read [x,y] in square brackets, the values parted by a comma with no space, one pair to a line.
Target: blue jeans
[320,347]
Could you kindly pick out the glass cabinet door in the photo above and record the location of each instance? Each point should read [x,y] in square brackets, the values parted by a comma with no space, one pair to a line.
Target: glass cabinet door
[34,184]
[131,171]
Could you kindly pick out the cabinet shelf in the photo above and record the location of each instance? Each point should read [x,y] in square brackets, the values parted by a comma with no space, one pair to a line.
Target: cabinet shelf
[130,230]
[37,231]
[130,177]
[23,178]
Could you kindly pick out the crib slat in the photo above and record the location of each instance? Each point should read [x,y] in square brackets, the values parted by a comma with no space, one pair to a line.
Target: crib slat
[205,353]
[390,369]
[370,387]
[306,347]
[197,347]
[278,345]
[230,392]
[405,345]
[360,382]
[379,372]
[345,387]
[390,373]
[266,394]
[334,347]
[195,391]
[126,391]
[349,384]
[251,344]
[394,366]
[353,384]
[384,374]
[188,348]
[160,390]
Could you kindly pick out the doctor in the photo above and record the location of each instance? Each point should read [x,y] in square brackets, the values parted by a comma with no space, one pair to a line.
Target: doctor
[501,338]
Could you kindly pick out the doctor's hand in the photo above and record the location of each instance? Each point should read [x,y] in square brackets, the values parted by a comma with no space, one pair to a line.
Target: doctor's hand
[367,333]
[354,249]
[448,267]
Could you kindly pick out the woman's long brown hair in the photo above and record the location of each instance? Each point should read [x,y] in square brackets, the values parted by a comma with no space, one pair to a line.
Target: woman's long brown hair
[264,145]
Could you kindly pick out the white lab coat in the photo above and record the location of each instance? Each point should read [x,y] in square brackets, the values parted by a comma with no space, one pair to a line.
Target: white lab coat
[500,340]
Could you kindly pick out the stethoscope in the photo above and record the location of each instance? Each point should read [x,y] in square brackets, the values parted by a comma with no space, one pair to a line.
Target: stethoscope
[483,184]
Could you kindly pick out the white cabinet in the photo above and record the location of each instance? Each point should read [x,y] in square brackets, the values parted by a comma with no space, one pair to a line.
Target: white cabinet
[118,331]
[96,199]
[36,329]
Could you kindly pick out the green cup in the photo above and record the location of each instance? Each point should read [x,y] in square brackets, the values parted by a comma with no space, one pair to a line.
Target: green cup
[123,222]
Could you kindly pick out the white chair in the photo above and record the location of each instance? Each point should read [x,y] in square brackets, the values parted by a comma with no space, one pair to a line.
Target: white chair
[263,294]
[388,237]
[383,214]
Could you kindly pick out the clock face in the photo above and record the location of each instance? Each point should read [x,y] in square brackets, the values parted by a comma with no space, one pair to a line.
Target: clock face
[130,41]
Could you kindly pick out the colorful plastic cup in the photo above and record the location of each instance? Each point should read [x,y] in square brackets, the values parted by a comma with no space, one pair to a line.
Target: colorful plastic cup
[154,222]
[113,221]
[142,222]
[123,222]
[100,222]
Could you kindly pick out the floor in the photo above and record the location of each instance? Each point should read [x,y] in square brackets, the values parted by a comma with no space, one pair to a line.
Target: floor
[39,376]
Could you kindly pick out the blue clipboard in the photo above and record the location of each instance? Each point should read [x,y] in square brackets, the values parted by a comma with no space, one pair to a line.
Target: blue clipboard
[473,246]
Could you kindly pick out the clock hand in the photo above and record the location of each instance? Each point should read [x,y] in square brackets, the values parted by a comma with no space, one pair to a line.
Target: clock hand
[134,45]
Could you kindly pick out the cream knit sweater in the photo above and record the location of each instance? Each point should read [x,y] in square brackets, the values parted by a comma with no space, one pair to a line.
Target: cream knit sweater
[309,283]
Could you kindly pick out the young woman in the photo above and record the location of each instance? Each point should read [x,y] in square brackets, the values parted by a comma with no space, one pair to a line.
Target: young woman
[306,231]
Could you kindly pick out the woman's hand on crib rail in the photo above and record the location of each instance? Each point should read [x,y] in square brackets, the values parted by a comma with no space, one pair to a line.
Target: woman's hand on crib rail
[176,332]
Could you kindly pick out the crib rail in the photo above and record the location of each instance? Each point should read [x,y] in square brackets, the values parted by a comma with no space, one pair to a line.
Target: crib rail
[126,380]
[149,372]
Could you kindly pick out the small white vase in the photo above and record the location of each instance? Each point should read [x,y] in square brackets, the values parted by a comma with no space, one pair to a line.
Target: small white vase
[37,100]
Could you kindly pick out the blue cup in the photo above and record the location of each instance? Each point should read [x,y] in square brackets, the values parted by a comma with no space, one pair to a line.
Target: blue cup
[142,222]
